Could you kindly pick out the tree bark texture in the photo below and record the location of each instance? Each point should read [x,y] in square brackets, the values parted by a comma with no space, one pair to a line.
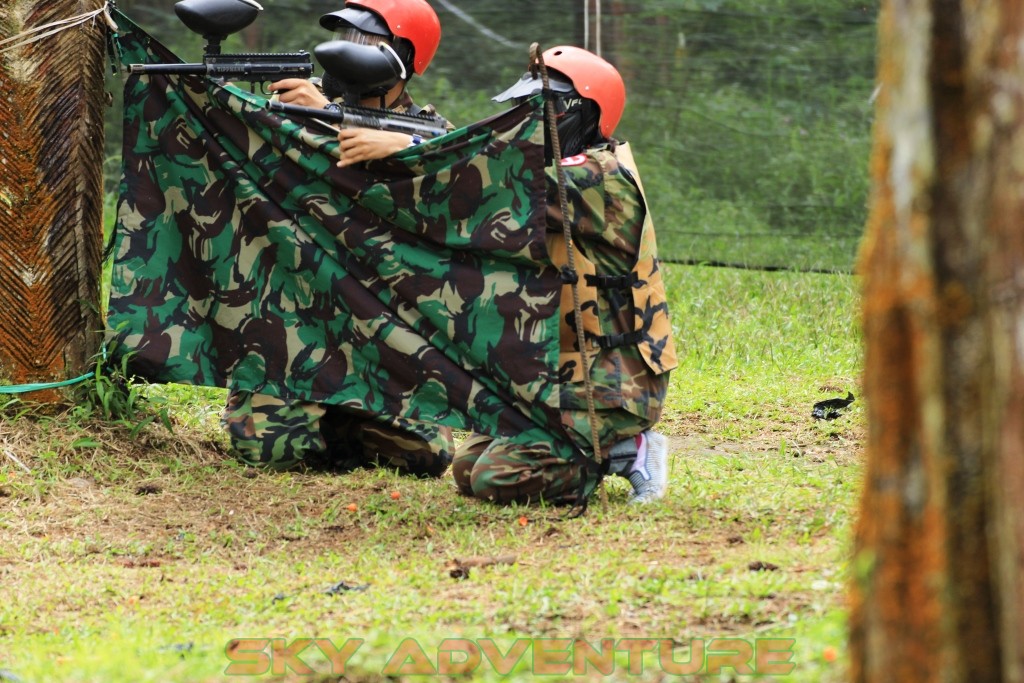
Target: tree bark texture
[51,195]
[938,570]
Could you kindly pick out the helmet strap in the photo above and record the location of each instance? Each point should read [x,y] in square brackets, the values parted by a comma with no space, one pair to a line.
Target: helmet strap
[405,72]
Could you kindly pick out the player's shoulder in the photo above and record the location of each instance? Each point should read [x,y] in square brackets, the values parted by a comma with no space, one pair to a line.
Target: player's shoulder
[574,160]
[599,158]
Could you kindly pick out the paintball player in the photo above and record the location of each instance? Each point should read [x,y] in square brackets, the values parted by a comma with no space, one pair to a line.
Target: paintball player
[271,432]
[622,298]
[409,30]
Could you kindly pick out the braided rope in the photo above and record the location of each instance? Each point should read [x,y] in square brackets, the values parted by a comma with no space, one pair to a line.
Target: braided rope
[556,147]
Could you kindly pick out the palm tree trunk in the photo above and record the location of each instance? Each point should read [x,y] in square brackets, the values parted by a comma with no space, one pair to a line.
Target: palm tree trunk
[51,197]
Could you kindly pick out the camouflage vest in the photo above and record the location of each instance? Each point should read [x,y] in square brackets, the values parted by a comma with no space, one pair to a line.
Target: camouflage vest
[622,295]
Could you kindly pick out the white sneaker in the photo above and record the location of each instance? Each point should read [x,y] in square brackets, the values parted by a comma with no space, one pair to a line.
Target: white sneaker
[651,481]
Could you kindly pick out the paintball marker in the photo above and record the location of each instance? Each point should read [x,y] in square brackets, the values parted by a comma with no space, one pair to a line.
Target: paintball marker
[215,20]
[358,69]
[367,117]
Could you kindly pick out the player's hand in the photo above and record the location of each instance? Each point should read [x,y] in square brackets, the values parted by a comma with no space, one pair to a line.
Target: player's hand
[299,91]
[363,144]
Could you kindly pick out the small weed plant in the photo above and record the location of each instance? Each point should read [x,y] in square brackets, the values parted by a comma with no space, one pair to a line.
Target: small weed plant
[113,395]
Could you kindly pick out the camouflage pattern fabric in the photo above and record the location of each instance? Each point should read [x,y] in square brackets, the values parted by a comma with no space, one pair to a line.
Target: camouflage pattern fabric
[505,471]
[629,346]
[413,288]
[266,431]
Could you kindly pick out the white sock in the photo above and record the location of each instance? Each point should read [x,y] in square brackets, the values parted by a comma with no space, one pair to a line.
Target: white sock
[640,464]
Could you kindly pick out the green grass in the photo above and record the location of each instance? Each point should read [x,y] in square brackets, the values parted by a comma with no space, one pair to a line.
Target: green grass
[139,557]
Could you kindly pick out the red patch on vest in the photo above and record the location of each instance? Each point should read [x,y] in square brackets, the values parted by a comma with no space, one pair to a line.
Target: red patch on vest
[577,160]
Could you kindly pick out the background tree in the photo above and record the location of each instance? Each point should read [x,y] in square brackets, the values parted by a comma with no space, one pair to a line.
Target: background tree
[51,197]
[939,587]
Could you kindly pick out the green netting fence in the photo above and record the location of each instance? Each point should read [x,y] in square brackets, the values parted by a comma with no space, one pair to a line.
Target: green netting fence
[751,122]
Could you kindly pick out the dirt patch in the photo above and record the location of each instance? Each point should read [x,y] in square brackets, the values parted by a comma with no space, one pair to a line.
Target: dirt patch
[169,525]
[157,494]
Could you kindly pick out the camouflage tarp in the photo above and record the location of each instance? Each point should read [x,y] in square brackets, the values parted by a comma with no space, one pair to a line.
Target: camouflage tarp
[417,286]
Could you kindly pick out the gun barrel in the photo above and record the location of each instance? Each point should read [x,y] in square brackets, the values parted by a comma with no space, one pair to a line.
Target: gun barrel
[245,69]
[360,117]
[167,68]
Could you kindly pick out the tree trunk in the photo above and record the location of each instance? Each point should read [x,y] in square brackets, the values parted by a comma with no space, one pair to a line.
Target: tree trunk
[937,585]
[51,196]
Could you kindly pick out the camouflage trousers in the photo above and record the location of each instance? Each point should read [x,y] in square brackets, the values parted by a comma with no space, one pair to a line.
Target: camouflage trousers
[503,471]
[266,431]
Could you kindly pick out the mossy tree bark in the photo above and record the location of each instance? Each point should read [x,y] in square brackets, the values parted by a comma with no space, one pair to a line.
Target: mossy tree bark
[51,196]
[938,586]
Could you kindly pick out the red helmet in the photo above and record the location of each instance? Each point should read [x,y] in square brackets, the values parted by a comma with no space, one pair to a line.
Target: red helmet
[593,78]
[414,20]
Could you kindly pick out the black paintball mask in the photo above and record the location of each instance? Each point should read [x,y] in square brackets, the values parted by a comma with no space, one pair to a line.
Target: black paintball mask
[576,117]
[364,59]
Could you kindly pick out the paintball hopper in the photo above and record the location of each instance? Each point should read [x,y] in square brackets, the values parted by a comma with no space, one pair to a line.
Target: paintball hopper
[215,20]
[359,68]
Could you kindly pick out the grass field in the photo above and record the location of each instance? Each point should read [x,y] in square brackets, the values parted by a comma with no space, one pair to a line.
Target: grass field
[142,554]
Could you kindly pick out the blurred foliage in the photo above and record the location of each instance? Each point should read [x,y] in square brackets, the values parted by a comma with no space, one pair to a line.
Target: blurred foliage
[750,123]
